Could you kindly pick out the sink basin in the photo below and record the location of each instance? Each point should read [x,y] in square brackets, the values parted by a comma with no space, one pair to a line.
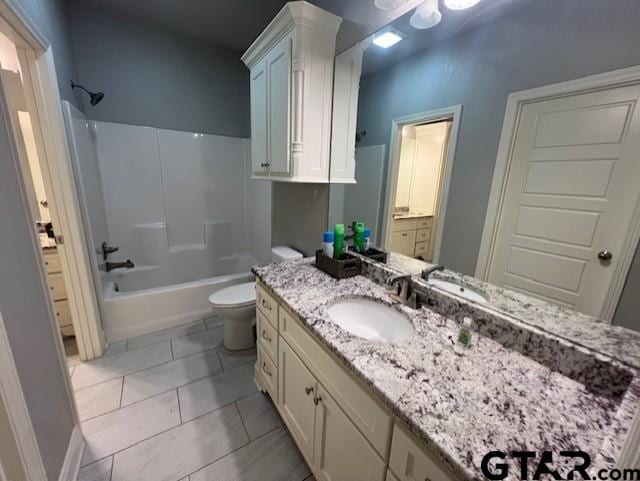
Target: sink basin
[371,320]
[459,290]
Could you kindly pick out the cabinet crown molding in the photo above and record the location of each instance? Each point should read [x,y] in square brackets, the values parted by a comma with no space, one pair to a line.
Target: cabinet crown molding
[293,14]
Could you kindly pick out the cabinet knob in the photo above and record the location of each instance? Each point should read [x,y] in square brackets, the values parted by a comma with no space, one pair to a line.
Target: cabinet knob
[317,400]
[265,337]
[308,390]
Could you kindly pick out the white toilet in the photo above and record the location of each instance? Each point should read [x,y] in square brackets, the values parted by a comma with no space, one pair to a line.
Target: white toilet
[237,306]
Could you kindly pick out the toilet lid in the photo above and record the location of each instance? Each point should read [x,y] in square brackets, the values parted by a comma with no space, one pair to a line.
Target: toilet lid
[240,295]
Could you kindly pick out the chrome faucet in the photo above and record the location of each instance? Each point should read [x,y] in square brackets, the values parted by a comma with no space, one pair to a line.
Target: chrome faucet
[109,266]
[402,291]
[430,270]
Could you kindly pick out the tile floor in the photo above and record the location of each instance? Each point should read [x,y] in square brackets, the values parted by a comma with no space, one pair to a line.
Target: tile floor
[174,405]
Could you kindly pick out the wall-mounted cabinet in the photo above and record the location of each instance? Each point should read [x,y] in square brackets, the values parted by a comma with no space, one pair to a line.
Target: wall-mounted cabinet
[291,72]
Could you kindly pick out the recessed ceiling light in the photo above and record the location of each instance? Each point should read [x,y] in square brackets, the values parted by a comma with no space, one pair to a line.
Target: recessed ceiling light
[460,4]
[387,38]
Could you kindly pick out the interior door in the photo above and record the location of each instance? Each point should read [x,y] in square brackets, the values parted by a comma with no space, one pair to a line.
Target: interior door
[258,92]
[341,453]
[279,87]
[296,389]
[570,196]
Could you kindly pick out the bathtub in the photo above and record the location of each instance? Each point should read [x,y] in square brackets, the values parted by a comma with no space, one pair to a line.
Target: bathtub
[134,305]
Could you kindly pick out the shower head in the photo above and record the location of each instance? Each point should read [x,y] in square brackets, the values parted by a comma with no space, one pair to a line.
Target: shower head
[95,97]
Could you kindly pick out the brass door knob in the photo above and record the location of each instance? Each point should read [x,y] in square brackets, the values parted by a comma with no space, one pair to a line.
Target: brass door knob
[605,255]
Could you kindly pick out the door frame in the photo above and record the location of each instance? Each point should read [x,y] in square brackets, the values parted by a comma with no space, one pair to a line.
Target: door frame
[452,113]
[515,102]
[43,96]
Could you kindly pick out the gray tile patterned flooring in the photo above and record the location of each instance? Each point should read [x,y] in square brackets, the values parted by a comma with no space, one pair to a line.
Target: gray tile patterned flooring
[174,405]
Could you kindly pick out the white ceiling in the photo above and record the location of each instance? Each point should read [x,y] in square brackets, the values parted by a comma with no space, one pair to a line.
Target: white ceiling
[235,24]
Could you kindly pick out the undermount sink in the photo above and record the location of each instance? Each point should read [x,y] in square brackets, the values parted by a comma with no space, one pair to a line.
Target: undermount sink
[459,290]
[371,320]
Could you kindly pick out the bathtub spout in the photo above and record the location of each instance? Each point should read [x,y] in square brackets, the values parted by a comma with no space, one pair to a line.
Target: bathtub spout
[109,266]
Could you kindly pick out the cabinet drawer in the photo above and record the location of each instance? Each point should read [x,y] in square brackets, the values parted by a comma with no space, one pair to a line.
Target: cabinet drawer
[267,337]
[403,242]
[63,313]
[269,374]
[56,287]
[400,225]
[52,263]
[422,248]
[423,235]
[410,462]
[424,223]
[390,476]
[370,417]
[267,305]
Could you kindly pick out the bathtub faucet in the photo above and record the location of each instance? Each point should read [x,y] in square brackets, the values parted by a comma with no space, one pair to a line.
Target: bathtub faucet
[109,266]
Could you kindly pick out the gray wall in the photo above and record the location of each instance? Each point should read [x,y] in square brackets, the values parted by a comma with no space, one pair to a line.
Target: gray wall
[542,42]
[628,311]
[29,320]
[155,78]
[50,17]
[299,215]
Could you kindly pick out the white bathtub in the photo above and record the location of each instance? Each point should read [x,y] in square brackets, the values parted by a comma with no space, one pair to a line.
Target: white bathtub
[132,308]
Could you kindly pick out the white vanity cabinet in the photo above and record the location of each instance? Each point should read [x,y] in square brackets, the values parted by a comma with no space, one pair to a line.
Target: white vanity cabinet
[291,75]
[342,430]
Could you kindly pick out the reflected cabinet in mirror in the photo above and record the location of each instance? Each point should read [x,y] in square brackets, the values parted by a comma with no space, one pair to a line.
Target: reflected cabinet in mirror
[501,141]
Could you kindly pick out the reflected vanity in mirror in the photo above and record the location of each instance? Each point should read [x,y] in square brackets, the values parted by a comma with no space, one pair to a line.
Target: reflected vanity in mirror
[472,144]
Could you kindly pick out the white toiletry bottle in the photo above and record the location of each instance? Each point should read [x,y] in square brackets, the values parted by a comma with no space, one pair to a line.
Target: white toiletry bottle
[327,244]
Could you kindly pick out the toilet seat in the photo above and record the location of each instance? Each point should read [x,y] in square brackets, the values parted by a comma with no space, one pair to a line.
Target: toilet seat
[240,295]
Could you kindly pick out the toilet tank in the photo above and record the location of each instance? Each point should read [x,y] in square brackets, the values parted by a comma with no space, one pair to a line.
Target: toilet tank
[284,253]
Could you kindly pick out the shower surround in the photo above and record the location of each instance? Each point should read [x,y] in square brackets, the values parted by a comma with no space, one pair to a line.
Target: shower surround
[180,205]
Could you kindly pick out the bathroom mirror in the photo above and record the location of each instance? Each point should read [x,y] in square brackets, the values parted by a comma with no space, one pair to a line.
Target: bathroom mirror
[496,142]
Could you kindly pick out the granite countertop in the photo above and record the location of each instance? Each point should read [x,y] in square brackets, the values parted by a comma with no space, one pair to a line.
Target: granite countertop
[617,342]
[462,402]
[410,215]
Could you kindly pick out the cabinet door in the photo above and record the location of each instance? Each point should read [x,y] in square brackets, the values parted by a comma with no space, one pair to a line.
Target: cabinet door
[403,242]
[259,159]
[410,462]
[340,452]
[279,106]
[296,389]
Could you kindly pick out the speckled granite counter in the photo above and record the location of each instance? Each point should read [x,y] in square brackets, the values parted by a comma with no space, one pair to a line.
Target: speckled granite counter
[465,402]
[619,343]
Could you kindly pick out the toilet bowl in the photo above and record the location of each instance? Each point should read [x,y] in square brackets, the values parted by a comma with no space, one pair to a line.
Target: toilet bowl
[237,306]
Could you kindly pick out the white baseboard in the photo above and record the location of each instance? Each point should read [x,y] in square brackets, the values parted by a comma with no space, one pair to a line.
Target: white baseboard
[71,465]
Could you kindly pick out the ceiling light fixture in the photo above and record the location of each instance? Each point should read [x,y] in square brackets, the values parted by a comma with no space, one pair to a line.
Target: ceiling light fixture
[426,15]
[388,37]
[460,4]
[389,4]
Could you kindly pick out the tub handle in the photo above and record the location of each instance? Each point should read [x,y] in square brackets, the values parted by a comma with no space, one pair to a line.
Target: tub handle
[265,337]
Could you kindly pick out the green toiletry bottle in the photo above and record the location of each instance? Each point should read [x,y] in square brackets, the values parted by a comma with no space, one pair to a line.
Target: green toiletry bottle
[358,236]
[338,241]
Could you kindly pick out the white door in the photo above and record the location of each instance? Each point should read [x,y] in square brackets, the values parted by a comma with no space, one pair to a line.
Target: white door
[279,86]
[258,92]
[341,453]
[572,188]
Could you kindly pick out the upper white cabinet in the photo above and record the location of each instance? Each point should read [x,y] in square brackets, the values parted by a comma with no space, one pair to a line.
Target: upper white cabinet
[291,65]
[346,88]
